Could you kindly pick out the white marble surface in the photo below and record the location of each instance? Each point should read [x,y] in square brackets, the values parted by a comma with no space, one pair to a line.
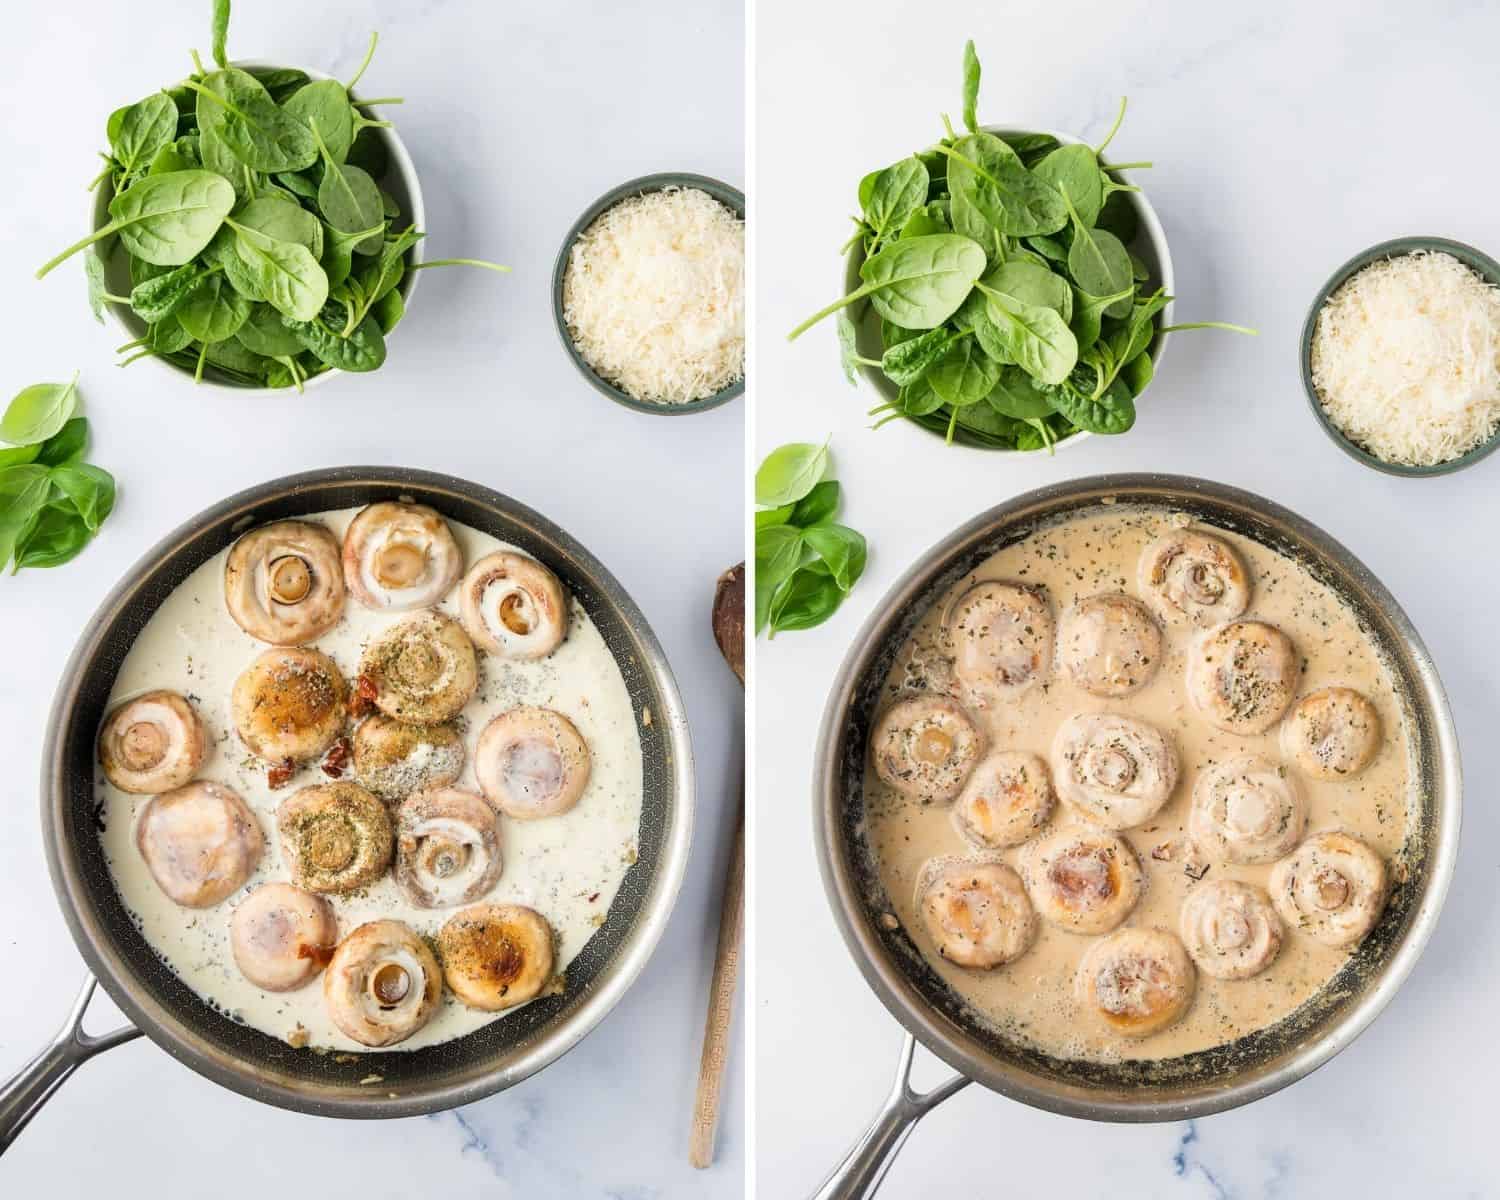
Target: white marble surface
[1286,137]
[517,116]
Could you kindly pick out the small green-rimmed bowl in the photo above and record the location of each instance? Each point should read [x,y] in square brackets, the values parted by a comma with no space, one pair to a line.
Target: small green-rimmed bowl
[1482,264]
[731,198]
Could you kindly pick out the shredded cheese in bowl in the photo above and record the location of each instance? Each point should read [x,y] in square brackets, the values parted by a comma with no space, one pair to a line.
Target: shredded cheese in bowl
[654,296]
[1406,359]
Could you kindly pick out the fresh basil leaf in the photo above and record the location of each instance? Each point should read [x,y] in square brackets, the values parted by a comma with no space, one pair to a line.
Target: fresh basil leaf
[38,412]
[90,489]
[66,445]
[817,506]
[841,549]
[805,600]
[789,473]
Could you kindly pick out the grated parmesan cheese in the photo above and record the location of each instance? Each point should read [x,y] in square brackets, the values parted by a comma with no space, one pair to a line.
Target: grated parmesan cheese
[654,296]
[1406,359]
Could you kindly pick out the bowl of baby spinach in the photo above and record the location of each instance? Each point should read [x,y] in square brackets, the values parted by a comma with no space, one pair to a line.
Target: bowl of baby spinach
[1006,289]
[256,226]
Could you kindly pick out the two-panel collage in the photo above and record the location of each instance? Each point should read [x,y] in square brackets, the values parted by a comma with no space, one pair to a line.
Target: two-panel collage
[748,599]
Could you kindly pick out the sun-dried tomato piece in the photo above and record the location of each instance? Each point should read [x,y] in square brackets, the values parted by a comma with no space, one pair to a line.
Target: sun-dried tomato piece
[281,774]
[336,761]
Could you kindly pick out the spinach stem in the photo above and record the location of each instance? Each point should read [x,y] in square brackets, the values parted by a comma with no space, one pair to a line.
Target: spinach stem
[103,231]
[1113,129]
[369,54]
[461,262]
[1210,325]
[857,294]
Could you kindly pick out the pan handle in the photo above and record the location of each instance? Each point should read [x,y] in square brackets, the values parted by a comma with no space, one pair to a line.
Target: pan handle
[863,1170]
[24,1093]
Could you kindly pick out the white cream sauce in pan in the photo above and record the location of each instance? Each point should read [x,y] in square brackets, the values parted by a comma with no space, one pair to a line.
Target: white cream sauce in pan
[1032,998]
[567,867]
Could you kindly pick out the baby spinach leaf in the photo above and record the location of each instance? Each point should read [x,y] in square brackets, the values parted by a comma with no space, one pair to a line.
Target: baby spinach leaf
[1074,170]
[987,175]
[388,311]
[895,194]
[216,157]
[1112,412]
[1138,372]
[1088,314]
[39,411]
[93,269]
[214,311]
[1032,284]
[180,155]
[264,334]
[361,350]
[929,219]
[805,600]
[1119,217]
[849,355]
[1098,262]
[235,108]
[164,219]
[964,375]
[789,472]
[143,129]
[971,87]
[908,361]
[158,298]
[324,105]
[284,220]
[1036,337]
[842,550]
[817,506]
[349,199]
[288,276]
[1016,395]
[66,445]
[917,283]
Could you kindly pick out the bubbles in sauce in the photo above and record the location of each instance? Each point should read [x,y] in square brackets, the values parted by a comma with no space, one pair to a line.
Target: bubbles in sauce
[1033,998]
[567,867]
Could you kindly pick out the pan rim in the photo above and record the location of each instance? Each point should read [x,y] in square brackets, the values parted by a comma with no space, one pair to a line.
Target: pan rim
[1015,1081]
[177,1036]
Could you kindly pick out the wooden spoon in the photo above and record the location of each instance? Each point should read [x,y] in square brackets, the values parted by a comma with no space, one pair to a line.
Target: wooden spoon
[729,632]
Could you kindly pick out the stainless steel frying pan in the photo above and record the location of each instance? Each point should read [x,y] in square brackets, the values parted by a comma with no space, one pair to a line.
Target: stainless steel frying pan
[162,1007]
[1196,1084]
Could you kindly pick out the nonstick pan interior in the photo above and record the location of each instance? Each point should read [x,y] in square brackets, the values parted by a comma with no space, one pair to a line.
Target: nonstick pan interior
[374,1083]
[1197,1083]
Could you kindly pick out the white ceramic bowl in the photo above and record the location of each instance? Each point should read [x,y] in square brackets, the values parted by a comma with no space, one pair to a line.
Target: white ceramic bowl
[400,181]
[1150,244]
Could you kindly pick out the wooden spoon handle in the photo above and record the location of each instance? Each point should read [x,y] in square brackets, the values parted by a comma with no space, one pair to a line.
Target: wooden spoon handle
[717,1029]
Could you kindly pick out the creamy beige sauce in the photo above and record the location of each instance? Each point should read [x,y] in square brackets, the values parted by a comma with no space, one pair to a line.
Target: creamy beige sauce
[1032,998]
[567,867]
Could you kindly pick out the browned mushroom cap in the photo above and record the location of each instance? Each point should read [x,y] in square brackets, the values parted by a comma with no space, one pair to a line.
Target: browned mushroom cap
[283,583]
[400,556]
[925,747]
[1137,981]
[423,669]
[289,704]
[200,843]
[447,848]
[496,956]
[532,762]
[336,836]
[1195,578]
[282,936]
[1083,880]
[514,606]
[1242,676]
[1111,645]
[382,984]
[975,911]
[152,744]
[1001,635]
[1007,799]
[395,760]
[1332,733]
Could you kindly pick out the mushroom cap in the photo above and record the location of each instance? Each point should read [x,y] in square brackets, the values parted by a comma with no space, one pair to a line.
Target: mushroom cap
[531,763]
[1007,799]
[1114,769]
[1110,644]
[447,848]
[926,746]
[282,936]
[1242,676]
[152,744]
[1195,578]
[382,984]
[400,556]
[289,704]
[1138,981]
[1333,888]
[514,606]
[200,843]
[1246,810]
[496,956]
[395,760]
[336,837]
[1230,929]
[283,583]
[975,911]
[423,669]
[1001,635]
[1332,733]
[1083,880]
